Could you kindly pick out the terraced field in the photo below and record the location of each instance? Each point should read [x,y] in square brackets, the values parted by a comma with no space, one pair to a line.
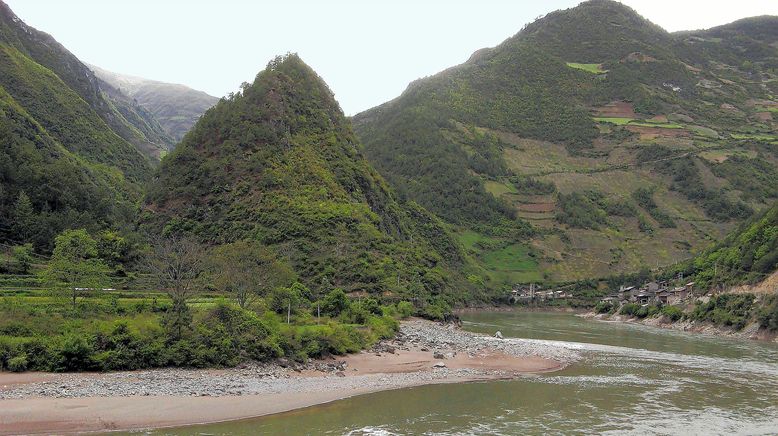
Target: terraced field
[589,68]
[562,252]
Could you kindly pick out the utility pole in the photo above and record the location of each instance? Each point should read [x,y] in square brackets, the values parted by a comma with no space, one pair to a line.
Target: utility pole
[715,274]
[289,312]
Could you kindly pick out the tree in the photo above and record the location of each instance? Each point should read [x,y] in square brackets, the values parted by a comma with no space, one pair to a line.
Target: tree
[335,302]
[75,268]
[288,300]
[246,270]
[113,248]
[22,255]
[24,217]
[177,263]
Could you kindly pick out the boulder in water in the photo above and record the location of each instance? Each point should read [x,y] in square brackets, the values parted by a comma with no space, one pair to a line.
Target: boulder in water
[498,335]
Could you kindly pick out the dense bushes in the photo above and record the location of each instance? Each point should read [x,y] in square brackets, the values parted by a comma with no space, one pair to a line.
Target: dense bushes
[747,255]
[730,310]
[687,180]
[223,335]
[673,313]
[768,315]
[629,309]
[532,186]
[580,210]
[639,311]
[726,309]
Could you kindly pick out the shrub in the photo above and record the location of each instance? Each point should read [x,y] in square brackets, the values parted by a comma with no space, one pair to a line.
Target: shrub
[74,354]
[647,311]
[405,309]
[604,307]
[581,210]
[768,315]
[436,311]
[18,363]
[630,309]
[673,313]
[644,225]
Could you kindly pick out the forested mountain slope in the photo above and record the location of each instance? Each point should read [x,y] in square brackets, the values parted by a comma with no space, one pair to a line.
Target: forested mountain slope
[63,160]
[176,107]
[621,144]
[44,50]
[278,163]
[747,255]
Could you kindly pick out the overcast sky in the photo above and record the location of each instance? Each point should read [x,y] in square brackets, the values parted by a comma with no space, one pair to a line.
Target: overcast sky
[367,51]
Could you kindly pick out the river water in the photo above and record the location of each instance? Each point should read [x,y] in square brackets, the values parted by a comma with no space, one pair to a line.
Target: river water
[631,380]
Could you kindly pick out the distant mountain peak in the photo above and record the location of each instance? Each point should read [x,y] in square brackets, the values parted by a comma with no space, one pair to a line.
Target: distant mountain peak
[176,107]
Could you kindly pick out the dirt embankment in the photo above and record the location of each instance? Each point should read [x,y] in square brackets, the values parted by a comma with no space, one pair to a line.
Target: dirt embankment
[750,332]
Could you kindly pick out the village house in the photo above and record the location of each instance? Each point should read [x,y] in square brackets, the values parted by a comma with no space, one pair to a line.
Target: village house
[533,292]
[651,292]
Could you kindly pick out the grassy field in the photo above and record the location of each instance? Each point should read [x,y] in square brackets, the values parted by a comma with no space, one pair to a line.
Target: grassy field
[513,258]
[719,156]
[499,188]
[756,137]
[614,120]
[619,121]
[656,124]
[704,132]
[506,262]
[589,68]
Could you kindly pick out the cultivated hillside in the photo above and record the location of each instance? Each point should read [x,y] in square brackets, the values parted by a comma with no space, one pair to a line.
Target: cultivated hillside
[279,163]
[176,107]
[621,144]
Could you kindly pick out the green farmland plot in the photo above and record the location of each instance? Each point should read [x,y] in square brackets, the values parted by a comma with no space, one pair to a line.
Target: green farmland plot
[589,68]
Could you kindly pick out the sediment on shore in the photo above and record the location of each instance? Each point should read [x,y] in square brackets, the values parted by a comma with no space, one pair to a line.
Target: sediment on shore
[422,353]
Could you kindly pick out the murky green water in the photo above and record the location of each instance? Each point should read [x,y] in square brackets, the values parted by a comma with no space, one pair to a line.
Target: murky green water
[632,379]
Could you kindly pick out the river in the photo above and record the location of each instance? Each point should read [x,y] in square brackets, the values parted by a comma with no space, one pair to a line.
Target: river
[632,379]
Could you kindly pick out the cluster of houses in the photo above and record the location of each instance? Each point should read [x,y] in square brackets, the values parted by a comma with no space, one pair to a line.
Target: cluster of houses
[652,292]
[533,292]
[649,293]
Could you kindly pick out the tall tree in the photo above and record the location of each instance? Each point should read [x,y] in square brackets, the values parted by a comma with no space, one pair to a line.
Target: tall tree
[247,269]
[75,269]
[22,255]
[177,263]
[24,217]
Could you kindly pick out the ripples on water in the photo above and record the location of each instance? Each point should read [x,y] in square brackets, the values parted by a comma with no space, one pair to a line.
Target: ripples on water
[630,380]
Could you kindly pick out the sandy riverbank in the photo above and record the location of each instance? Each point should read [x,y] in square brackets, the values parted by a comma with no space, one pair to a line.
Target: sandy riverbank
[423,353]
